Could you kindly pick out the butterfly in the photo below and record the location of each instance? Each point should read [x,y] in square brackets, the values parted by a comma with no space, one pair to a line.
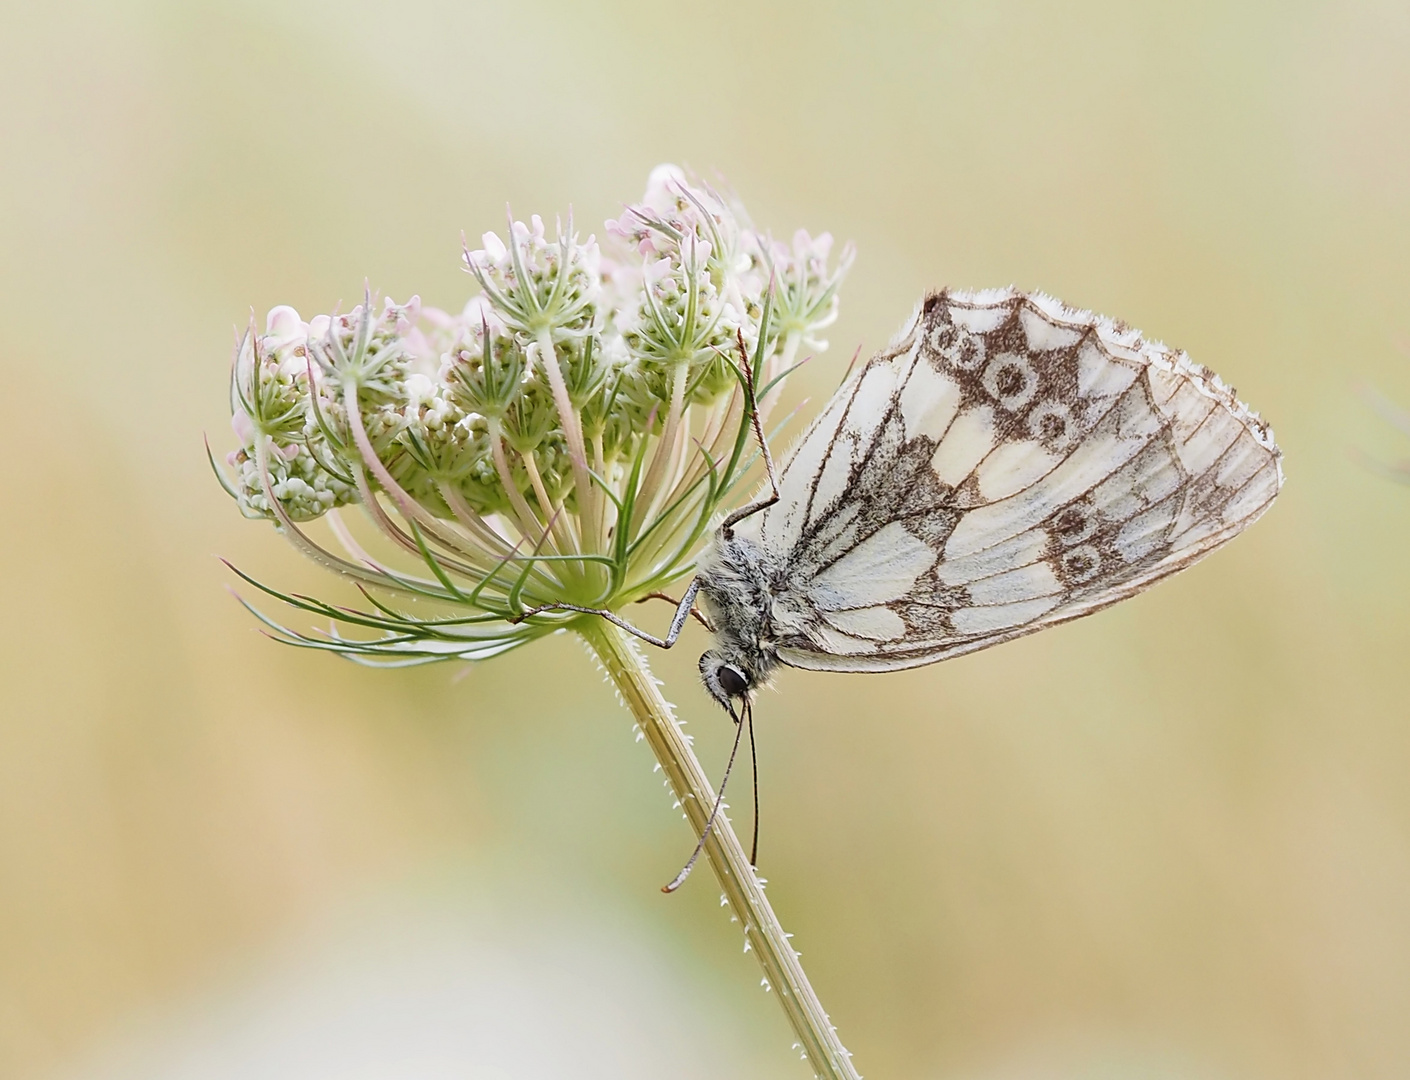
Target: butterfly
[1006,464]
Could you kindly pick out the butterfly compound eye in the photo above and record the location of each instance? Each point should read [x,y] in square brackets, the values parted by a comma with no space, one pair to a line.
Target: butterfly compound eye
[732,680]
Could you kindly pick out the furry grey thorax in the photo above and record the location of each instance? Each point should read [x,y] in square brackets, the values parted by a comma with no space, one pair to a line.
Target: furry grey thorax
[738,582]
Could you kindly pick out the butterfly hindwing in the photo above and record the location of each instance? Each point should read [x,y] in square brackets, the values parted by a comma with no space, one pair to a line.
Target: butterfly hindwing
[1007,464]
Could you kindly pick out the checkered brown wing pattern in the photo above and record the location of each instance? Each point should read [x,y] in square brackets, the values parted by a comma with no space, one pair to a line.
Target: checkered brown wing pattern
[1007,464]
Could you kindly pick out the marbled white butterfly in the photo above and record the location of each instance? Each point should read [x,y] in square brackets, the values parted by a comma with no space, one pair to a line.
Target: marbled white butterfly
[1006,464]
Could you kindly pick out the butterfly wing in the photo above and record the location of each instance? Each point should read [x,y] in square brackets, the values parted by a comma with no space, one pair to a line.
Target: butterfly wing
[1005,465]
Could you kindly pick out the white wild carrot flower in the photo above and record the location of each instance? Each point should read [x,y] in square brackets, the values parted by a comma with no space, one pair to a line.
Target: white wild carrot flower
[569,437]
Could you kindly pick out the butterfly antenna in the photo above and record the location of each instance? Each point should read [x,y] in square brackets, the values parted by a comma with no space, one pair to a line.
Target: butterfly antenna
[754,770]
[679,879]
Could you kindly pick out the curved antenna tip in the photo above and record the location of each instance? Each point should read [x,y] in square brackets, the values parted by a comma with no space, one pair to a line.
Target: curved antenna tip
[679,879]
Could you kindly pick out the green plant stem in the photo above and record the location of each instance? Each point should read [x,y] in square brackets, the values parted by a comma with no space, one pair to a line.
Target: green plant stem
[817,1039]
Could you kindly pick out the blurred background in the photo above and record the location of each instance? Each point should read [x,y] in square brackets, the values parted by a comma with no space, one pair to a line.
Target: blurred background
[1169,841]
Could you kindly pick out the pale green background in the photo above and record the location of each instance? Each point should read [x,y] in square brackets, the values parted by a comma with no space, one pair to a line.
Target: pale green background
[1169,841]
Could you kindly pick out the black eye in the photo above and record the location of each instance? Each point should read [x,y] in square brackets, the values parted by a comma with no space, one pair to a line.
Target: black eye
[731,680]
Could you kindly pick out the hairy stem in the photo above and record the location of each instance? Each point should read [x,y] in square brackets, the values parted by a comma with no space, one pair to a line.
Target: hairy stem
[627,668]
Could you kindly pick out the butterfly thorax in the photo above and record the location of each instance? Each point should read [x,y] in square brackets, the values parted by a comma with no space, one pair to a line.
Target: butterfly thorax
[738,584]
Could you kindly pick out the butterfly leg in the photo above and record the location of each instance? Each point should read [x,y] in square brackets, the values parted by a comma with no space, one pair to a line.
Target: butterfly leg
[678,621]
[727,526]
[695,612]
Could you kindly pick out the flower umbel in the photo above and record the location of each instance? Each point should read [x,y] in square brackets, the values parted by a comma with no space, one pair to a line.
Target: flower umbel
[567,438]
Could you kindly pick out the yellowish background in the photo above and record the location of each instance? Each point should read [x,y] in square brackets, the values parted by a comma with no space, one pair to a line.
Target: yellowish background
[1169,841]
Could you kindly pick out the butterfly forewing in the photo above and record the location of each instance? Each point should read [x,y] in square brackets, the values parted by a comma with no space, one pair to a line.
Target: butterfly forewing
[1008,463]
